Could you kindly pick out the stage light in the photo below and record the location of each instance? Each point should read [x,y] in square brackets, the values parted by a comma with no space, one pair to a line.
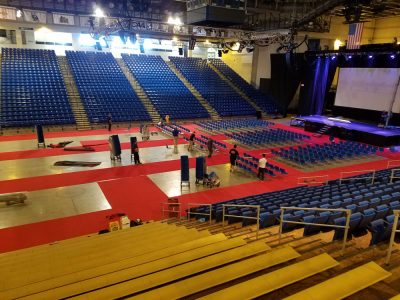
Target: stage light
[392,56]
[175,39]
[174,21]
[98,12]
[370,56]
[19,13]
[333,57]
[350,57]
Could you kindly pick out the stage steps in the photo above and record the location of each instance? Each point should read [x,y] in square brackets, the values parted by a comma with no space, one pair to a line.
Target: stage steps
[324,129]
[78,109]
[211,111]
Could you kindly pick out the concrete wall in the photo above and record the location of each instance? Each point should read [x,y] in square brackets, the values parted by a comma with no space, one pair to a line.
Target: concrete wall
[241,63]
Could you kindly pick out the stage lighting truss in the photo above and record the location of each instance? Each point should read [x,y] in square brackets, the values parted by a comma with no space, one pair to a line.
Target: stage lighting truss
[246,40]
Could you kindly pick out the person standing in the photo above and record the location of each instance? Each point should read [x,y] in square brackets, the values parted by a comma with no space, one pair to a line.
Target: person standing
[135,150]
[262,163]
[233,155]
[210,147]
[109,121]
[175,134]
[191,141]
[167,119]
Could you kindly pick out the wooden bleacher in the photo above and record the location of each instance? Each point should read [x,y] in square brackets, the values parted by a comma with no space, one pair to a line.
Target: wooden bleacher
[169,261]
[277,279]
[344,285]
[221,275]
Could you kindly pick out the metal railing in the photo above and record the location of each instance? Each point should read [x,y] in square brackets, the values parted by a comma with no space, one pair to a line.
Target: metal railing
[176,209]
[257,218]
[345,227]
[343,175]
[393,163]
[393,175]
[191,205]
[322,179]
[394,231]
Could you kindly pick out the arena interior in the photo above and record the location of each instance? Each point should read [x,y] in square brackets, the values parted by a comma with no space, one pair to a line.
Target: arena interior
[117,174]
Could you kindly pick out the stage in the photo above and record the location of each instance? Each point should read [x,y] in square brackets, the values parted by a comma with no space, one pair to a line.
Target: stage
[353,130]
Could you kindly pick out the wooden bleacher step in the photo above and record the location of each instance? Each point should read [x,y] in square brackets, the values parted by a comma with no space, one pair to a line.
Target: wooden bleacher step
[269,282]
[221,275]
[111,267]
[112,283]
[143,283]
[63,263]
[344,284]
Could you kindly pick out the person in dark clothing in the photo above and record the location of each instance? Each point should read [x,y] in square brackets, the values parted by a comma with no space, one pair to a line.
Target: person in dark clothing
[135,151]
[109,121]
[233,155]
[175,134]
[191,141]
[210,147]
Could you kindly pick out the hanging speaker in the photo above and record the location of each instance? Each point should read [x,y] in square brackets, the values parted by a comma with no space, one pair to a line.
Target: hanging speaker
[219,53]
[180,51]
[141,47]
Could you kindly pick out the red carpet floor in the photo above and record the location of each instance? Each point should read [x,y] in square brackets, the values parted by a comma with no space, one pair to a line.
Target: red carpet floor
[129,191]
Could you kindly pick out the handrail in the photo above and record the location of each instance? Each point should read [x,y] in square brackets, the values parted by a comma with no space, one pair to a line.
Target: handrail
[346,227]
[364,172]
[312,180]
[257,218]
[390,164]
[393,176]
[163,210]
[394,231]
[191,205]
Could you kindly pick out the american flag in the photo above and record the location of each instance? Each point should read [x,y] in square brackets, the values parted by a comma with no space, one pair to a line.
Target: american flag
[355,34]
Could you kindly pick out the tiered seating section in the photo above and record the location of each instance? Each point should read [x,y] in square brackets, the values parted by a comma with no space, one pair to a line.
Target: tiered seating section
[225,100]
[104,89]
[323,153]
[32,89]
[371,204]
[267,137]
[266,103]
[249,163]
[231,125]
[164,89]
[165,261]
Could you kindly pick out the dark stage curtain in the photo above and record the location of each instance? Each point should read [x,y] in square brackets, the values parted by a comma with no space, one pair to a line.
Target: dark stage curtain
[286,71]
[318,79]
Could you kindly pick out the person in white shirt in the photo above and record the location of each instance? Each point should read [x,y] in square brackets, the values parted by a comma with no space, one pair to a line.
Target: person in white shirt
[262,163]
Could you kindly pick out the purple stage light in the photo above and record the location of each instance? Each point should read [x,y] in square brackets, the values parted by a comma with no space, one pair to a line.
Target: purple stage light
[333,57]
[392,56]
[350,57]
[370,56]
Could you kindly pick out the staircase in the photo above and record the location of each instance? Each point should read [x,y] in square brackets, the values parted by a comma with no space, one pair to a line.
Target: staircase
[81,118]
[211,111]
[322,131]
[155,116]
[237,90]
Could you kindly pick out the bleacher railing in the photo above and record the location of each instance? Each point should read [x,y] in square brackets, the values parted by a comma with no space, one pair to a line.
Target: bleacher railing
[192,205]
[322,179]
[171,208]
[257,217]
[392,236]
[393,163]
[393,174]
[345,227]
[345,176]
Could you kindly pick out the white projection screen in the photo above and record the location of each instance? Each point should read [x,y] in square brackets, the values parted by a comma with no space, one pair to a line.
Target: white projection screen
[368,88]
